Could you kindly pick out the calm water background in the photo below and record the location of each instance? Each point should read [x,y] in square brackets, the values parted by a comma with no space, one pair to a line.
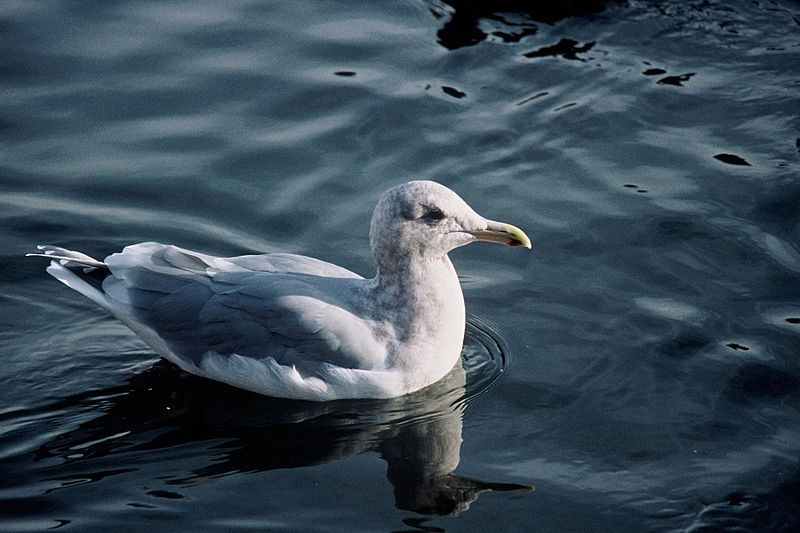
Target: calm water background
[650,343]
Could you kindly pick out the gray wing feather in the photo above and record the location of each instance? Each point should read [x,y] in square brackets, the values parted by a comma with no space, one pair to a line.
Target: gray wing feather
[250,306]
[286,263]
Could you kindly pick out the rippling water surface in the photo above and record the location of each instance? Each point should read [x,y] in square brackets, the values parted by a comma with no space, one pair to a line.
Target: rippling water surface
[648,347]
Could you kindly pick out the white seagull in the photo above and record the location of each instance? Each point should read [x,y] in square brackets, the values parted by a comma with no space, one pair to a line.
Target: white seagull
[295,327]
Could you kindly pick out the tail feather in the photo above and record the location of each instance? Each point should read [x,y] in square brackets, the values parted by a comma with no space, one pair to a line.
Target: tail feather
[67,258]
[76,270]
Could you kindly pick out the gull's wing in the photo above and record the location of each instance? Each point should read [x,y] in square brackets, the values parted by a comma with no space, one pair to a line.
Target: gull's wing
[278,306]
[279,262]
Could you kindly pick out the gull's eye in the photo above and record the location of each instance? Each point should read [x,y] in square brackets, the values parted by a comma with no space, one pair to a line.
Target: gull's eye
[432,214]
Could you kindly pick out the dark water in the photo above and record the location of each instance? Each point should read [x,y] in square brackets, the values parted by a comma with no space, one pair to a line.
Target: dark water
[649,346]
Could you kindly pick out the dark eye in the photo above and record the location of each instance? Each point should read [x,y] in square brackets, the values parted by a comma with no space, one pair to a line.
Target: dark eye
[433,214]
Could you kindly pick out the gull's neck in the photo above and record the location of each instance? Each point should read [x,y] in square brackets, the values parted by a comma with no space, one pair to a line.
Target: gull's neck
[422,298]
[418,281]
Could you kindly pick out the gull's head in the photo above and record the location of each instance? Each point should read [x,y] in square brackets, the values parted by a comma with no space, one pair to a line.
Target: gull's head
[426,219]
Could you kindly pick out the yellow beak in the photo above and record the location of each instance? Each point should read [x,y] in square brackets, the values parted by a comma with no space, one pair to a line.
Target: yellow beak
[503,233]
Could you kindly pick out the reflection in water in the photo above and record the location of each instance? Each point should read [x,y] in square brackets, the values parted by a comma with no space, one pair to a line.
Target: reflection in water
[418,435]
[463,28]
[565,48]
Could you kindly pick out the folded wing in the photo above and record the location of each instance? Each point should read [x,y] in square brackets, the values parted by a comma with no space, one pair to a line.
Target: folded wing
[298,311]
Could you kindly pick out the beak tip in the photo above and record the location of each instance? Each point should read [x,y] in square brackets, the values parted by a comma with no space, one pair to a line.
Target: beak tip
[521,238]
[503,233]
[522,243]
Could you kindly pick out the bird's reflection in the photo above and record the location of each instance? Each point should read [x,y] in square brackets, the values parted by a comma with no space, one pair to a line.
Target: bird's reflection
[419,435]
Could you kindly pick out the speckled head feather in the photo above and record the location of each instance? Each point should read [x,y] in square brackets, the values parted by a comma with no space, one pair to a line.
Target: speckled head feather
[420,219]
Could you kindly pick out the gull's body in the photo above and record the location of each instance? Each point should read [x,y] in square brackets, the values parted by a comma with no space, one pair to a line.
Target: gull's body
[296,327]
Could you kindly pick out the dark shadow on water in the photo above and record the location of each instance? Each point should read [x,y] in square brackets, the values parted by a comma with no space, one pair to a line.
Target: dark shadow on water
[229,431]
[566,48]
[462,21]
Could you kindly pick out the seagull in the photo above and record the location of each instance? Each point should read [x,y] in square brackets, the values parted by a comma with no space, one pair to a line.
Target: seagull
[292,326]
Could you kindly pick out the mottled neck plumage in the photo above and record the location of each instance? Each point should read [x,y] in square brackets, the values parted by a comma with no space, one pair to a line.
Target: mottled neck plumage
[425,297]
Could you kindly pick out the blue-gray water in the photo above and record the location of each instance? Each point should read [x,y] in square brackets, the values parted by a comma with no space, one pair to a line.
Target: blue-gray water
[648,348]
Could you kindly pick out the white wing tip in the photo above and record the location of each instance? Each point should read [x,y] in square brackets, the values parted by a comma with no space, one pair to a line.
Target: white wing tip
[66,257]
